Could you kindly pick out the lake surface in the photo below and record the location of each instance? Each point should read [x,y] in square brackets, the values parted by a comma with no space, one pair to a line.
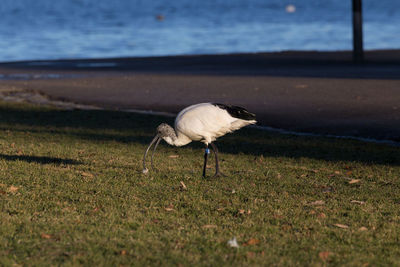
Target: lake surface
[64,29]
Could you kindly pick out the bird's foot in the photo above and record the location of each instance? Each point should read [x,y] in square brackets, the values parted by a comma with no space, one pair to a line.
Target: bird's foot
[219,174]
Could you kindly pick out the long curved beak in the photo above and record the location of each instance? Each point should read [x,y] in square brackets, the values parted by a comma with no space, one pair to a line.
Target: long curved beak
[156,138]
[154,150]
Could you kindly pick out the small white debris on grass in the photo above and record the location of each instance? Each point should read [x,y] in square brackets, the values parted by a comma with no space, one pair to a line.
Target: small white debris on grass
[233,243]
[145,171]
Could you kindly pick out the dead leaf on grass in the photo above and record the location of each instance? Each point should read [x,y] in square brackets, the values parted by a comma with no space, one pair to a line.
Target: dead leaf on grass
[324,255]
[362,229]
[343,226]
[87,174]
[96,209]
[169,208]
[252,242]
[317,203]
[241,211]
[123,252]
[45,236]
[354,181]
[173,156]
[13,189]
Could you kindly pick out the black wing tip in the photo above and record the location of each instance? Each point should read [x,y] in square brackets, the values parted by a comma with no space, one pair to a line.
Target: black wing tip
[237,112]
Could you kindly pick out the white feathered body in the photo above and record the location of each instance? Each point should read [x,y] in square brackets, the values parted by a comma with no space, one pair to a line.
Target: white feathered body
[205,122]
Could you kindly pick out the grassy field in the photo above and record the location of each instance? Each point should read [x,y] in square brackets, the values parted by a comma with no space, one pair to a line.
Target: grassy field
[72,192]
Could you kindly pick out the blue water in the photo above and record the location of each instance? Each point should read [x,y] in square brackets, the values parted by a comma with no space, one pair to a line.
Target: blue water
[61,29]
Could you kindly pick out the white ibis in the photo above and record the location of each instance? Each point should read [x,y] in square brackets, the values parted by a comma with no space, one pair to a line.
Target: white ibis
[203,122]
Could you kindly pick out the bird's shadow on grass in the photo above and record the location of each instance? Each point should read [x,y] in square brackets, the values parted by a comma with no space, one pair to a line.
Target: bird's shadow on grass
[39,159]
[98,125]
[327,149]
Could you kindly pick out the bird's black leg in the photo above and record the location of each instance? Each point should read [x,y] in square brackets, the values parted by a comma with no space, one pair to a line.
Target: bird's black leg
[217,172]
[205,160]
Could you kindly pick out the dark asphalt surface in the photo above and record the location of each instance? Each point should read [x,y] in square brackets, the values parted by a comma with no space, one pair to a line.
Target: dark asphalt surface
[301,91]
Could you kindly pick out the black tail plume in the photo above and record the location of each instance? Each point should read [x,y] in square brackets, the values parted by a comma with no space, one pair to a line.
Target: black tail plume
[237,112]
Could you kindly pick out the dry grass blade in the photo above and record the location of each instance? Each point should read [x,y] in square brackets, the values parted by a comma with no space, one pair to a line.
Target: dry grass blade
[252,242]
[324,255]
[209,226]
[183,186]
[343,226]
[45,236]
[358,202]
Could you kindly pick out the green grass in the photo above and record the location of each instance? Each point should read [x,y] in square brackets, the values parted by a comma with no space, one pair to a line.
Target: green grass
[72,193]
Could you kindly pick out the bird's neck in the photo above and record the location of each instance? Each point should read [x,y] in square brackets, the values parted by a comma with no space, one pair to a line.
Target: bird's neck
[177,140]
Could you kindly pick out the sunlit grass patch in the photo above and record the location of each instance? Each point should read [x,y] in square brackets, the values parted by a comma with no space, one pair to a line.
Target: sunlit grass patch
[72,191]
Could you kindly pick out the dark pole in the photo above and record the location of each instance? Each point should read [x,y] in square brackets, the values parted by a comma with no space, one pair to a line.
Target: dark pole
[358,51]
